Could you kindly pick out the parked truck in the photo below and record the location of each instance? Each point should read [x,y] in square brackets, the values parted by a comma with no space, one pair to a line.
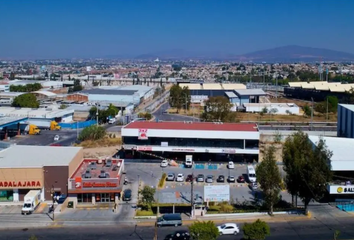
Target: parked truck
[31,202]
[32,129]
[53,125]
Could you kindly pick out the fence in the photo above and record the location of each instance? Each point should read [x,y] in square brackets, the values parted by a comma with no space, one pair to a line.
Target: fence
[76,125]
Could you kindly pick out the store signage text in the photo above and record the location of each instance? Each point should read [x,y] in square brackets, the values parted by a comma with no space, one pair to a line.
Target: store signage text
[345,189]
[20,184]
[99,184]
[144,148]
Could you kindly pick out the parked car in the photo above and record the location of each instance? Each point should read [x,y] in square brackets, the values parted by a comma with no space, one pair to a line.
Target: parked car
[200,178]
[209,179]
[56,138]
[178,235]
[231,179]
[170,177]
[164,163]
[241,179]
[221,178]
[180,177]
[169,220]
[127,195]
[254,186]
[228,228]
[231,165]
[189,178]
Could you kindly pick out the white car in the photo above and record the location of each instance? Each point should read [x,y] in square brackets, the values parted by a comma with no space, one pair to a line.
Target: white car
[164,163]
[56,138]
[180,177]
[228,228]
[231,165]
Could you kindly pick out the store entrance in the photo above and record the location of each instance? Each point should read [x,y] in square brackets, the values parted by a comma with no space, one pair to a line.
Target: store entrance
[104,197]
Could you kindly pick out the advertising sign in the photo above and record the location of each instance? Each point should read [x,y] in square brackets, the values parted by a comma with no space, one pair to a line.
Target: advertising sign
[143,148]
[335,189]
[78,182]
[20,184]
[142,135]
[217,193]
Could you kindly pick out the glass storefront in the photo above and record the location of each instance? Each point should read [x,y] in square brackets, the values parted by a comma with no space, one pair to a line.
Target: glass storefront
[99,197]
[6,196]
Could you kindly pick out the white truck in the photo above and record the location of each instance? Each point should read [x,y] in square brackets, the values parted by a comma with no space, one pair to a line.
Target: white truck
[189,161]
[31,201]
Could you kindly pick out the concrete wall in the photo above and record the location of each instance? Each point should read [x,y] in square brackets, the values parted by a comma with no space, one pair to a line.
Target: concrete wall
[77,97]
[73,165]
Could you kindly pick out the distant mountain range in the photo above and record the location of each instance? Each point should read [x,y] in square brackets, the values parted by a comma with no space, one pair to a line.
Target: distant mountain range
[292,53]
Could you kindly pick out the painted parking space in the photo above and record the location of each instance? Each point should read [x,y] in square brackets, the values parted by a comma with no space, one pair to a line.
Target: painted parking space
[10,209]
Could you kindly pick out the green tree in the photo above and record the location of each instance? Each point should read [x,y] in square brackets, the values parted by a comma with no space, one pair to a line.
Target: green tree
[217,109]
[307,110]
[176,67]
[203,230]
[175,97]
[185,98]
[268,176]
[28,100]
[257,230]
[332,104]
[77,86]
[93,133]
[147,194]
[264,111]
[63,106]
[307,167]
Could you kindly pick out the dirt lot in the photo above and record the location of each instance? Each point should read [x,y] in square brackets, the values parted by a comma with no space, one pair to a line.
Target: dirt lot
[100,152]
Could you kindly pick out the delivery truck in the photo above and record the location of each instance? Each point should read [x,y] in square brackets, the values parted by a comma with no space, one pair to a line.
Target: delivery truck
[53,125]
[31,201]
[32,129]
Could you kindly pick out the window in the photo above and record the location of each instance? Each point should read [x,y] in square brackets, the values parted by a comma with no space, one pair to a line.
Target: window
[6,196]
[84,198]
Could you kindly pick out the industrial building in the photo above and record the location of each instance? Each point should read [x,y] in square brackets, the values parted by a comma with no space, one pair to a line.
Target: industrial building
[345,122]
[342,166]
[211,89]
[45,168]
[272,108]
[318,91]
[205,141]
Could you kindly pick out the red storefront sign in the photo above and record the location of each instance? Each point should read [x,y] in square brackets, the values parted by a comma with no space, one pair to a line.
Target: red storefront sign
[99,184]
[142,135]
[144,148]
[15,184]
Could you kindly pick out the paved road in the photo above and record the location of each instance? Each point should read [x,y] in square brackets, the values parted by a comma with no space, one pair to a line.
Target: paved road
[160,115]
[297,230]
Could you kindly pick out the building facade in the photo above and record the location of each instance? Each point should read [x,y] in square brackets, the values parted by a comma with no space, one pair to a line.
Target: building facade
[345,122]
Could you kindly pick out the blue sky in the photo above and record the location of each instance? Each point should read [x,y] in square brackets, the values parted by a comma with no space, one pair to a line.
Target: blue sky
[92,28]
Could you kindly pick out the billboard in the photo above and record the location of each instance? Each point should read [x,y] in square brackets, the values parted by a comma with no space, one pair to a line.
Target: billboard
[217,193]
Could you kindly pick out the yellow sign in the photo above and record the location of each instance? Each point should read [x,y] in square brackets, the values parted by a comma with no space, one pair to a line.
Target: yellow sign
[339,189]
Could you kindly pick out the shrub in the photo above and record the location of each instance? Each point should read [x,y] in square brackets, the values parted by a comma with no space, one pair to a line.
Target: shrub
[226,208]
[93,132]
[142,213]
[162,180]
[257,230]
[204,230]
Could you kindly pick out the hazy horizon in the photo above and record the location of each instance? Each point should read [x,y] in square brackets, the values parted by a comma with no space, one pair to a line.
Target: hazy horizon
[94,29]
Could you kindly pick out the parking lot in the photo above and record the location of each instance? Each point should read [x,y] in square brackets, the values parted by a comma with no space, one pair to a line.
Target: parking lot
[180,192]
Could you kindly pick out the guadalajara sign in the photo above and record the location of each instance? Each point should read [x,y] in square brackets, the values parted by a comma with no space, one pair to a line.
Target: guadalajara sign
[15,184]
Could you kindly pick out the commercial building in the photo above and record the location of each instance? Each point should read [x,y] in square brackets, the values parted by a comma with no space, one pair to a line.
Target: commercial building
[45,168]
[211,89]
[272,108]
[205,141]
[96,181]
[342,166]
[345,122]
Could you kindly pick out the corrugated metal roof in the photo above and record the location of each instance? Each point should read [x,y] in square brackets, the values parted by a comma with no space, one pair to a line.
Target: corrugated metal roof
[342,150]
[18,156]
[231,94]
[250,92]
[99,91]
[213,86]
[348,106]
[199,126]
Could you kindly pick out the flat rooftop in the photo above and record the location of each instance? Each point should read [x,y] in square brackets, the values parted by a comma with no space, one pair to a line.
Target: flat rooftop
[348,106]
[34,112]
[270,105]
[95,168]
[199,126]
[7,121]
[213,86]
[21,156]
[250,92]
[342,150]
[109,91]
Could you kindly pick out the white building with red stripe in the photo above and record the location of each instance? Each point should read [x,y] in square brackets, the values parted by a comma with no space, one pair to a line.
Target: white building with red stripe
[215,141]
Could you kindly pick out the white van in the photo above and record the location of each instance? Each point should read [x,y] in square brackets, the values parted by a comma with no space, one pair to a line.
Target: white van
[251,174]
[189,161]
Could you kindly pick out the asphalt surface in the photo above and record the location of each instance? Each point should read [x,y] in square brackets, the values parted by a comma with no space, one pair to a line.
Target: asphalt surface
[296,230]
[161,116]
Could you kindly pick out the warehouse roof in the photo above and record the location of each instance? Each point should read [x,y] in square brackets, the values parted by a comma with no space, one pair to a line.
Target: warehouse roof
[213,86]
[250,92]
[323,86]
[18,156]
[8,121]
[341,148]
[34,112]
[199,126]
[46,93]
[348,106]
[230,94]
[108,91]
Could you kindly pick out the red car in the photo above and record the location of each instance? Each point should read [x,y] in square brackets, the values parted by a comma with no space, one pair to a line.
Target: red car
[241,179]
[189,178]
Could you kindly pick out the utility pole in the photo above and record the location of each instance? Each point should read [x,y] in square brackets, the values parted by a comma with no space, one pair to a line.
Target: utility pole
[192,194]
[276,88]
[53,198]
[77,129]
[97,114]
[327,110]
[311,113]
[157,213]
